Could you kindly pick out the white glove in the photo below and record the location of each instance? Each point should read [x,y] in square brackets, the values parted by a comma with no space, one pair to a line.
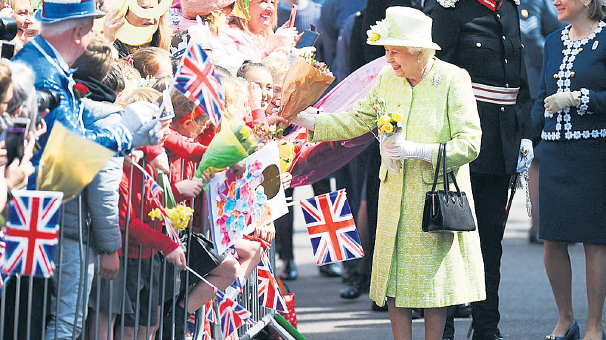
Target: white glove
[304,119]
[200,34]
[400,148]
[148,134]
[526,155]
[562,100]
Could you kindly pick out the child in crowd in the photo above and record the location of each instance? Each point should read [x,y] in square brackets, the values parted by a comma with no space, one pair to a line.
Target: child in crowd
[260,78]
[153,62]
[145,240]
[190,121]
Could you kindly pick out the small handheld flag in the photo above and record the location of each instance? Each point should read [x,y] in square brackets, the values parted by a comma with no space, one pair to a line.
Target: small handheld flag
[31,233]
[331,228]
[270,295]
[196,78]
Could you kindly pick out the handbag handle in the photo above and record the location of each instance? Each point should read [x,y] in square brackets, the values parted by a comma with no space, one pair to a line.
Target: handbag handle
[442,162]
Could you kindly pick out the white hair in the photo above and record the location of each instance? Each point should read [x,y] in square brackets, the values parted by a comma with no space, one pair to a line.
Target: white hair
[24,92]
[427,52]
[60,27]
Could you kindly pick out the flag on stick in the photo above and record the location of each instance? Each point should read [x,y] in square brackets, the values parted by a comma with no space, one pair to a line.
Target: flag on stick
[196,78]
[331,228]
[31,233]
[270,295]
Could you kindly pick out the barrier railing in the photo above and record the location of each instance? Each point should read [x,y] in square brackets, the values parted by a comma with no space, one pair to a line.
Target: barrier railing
[94,308]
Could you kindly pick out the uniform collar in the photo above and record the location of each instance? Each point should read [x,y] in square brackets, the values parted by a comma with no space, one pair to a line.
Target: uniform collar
[493,5]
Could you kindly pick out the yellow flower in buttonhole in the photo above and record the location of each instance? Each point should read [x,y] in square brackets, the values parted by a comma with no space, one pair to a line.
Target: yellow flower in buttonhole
[155,214]
[396,116]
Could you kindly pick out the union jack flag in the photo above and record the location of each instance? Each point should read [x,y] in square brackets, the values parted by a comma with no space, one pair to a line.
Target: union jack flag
[331,228]
[155,188]
[210,312]
[231,313]
[270,295]
[197,80]
[31,233]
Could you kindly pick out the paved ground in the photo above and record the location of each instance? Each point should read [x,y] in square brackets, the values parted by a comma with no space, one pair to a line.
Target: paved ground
[527,307]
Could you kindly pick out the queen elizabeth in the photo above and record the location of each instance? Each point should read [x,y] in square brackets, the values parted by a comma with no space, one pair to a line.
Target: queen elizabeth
[416,103]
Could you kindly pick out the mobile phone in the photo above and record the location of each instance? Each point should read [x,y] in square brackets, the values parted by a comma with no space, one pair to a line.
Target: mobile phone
[309,38]
[15,143]
[21,123]
[8,50]
[293,16]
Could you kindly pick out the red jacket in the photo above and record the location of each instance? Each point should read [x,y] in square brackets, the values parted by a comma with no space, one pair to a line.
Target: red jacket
[185,156]
[143,231]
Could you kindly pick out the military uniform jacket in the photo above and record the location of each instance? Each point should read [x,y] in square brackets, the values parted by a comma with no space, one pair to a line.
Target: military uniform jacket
[487,44]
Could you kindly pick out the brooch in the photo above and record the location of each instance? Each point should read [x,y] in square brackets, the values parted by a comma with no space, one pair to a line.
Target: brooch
[436,80]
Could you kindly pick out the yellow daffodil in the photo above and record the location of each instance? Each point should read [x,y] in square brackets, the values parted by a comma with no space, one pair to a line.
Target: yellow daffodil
[384,120]
[396,116]
[374,36]
[155,214]
[388,128]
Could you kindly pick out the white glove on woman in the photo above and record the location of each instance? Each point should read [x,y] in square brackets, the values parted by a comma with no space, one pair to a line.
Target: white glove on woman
[304,119]
[400,148]
[562,100]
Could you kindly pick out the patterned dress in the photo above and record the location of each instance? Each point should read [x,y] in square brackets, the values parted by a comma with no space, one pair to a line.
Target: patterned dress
[573,162]
[419,269]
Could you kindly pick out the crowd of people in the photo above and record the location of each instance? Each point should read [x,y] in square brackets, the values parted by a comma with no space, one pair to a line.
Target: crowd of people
[457,77]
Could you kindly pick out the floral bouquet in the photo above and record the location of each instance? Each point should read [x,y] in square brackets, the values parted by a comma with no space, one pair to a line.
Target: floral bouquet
[304,83]
[232,143]
[389,124]
[179,214]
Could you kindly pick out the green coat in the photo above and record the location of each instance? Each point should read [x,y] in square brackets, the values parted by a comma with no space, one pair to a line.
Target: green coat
[419,269]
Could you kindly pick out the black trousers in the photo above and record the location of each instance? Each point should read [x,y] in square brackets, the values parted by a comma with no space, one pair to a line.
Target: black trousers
[490,194]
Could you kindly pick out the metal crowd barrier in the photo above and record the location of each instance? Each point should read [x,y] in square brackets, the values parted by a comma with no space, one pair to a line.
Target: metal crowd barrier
[25,301]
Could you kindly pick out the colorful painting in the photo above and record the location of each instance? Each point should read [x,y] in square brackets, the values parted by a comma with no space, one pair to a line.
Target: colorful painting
[239,205]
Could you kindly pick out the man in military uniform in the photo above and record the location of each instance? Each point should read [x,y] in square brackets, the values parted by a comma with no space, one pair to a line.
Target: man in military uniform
[483,37]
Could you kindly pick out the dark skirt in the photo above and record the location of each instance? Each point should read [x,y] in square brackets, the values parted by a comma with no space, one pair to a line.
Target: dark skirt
[572,191]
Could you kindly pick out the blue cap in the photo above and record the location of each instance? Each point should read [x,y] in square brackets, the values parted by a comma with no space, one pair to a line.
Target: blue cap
[55,11]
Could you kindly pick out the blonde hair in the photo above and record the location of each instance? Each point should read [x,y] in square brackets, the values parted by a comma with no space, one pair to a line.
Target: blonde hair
[146,94]
[96,60]
[277,64]
[243,24]
[147,60]
[211,18]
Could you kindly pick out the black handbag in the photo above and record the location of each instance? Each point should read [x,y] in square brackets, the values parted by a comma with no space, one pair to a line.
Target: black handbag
[202,256]
[444,210]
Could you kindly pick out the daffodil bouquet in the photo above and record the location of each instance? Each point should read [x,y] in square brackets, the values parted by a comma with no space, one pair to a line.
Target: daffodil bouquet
[179,214]
[387,122]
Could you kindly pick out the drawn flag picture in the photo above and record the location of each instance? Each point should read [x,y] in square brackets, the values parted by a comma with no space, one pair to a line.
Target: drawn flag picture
[331,228]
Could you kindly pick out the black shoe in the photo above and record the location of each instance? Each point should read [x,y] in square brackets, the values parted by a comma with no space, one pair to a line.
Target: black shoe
[417,314]
[377,308]
[446,338]
[289,271]
[463,311]
[331,270]
[493,336]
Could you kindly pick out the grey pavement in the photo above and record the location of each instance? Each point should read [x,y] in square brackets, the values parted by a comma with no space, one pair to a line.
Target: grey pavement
[527,307]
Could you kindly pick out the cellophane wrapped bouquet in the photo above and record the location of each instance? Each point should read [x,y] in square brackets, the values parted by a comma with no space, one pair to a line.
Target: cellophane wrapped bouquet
[232,143]
[304,83]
